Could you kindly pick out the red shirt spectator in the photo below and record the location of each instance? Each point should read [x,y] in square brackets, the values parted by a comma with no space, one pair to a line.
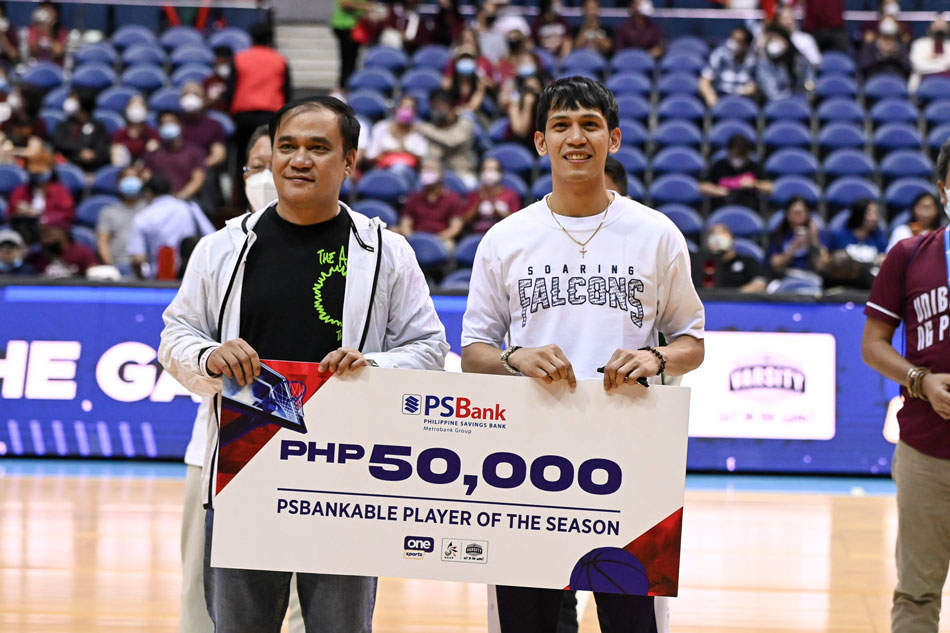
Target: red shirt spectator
[135,139]
[59,256]
[432,217]
[552,33]
[823,15]
[639,31]
[50,201]
[177,163]
[492,201]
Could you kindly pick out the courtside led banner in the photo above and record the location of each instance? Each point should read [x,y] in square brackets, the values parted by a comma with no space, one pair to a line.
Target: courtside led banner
[464,477]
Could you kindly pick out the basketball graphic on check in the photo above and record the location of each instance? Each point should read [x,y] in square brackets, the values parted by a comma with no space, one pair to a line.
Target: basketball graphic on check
[612,570]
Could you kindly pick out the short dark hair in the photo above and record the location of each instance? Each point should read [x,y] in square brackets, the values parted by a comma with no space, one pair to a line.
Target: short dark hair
[943,161]
[576,92]
[222,51]
[739,142]
[858,210]
[349,124]
[159,185]
[938,219]
[440,94]
[614,169]
[262,34]
[746,33]
[256,135]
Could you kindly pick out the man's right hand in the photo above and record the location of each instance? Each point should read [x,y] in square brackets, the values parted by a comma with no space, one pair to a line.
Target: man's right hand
[546,363]
[936,387]
[236,360]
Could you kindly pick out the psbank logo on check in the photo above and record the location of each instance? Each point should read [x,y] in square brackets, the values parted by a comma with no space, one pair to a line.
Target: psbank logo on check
[455,407]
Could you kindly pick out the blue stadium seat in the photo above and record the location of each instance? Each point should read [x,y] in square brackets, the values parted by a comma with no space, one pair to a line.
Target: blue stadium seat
[465,250]
[894,110]
[105,180]
[686,219]
[424,79]
[190,72]
[516,183]
[84,235]
[430,250]
[452,182]
[634,187]
[392,59]
[422,102]
[377,79]
[44,75]
[835,63]
[144,77]
[11,177]
[796,286]
[513,157]
[749,248]
[584,59]
[681,62]
[678,160]
[841,136]
[895,136]
[934,88]
[938,136]
[433,56]
[735,107]
[377,209]
[457,280]
[234,38]
[561,74]
[831,86]
[55,97]
[906,163]
[94,76]
[839,220]
[840,110]
[144,54]
[633,107]
[689,44]
[87,212]
[116,98]
[885,86]
[677,83]
[793,108]
[937,113]
[226,122]
[681,107]
[71,177]
[787,187]
[98,53]
[629,84]
[369,103]
[678,188]
[903,217]
[900,193]
[677,133]
[381,184]
[792,161]
[113,121]
[846,191]
[848,162]
[497,131]
[179,36]
[166,99]
[129,35]
[547,60]
[721,132]
[784,134]
[776,219]
[633,160]
[632,59]
[632,133]
[542,186]
[192,54]
[742,221]
[51,118]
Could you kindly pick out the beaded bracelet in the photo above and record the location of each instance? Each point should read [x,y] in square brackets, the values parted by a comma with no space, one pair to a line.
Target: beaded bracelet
[659,357]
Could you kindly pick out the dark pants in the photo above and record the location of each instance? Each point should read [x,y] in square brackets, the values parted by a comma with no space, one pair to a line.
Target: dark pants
[530,610]
[348,53]
[244,125]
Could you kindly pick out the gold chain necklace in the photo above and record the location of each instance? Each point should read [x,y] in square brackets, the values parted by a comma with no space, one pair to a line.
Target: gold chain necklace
[583,244]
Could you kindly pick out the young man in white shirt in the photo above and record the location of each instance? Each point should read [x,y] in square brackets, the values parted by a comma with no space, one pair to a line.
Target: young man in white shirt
[580,280]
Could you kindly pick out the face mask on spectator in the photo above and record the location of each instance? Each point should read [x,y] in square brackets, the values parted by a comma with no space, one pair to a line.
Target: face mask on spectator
[646,7]
[526,70]
[191,102]
[136,113]
[776,48]
[8,266]
[733,45]
[491,177]
[737,161]
[40,177]
[719,243]
[465,66]
[405,116]
[892,8]
[888,27]
[169,131]
[71,106]
[4,85]
[223,71]
[130,186]
[260,189]
[429,177]
[515,44]
[14,101]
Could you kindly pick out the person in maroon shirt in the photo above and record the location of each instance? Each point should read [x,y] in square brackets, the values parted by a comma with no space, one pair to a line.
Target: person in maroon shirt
[491,202]
[824,19]
[550,30]
[43,197]
[434,209]
[180,162]
[216,84]
[639,31]
[59,256]
[912,287]
[131,142]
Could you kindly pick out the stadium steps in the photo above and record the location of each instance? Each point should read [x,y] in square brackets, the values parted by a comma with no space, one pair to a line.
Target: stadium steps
[312,52]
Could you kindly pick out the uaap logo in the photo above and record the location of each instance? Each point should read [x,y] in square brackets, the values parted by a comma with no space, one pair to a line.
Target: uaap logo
[411,404]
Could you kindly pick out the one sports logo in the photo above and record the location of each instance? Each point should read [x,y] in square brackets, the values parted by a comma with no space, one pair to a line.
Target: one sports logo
[411,404]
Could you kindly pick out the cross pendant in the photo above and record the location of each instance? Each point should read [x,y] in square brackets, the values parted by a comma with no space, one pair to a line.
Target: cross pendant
[583,251]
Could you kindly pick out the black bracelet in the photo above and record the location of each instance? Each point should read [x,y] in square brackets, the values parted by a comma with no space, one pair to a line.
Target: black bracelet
[659,357]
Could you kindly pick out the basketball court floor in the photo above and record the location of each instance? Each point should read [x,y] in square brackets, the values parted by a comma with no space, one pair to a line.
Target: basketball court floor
[93,547]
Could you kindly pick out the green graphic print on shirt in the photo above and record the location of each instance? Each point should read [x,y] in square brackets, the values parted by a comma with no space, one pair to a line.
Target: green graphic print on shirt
[335,264]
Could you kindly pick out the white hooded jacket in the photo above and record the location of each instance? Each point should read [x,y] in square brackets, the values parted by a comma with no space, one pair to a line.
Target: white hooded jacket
[387,311]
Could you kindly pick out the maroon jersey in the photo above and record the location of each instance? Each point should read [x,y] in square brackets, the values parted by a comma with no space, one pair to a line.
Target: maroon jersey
[912,287]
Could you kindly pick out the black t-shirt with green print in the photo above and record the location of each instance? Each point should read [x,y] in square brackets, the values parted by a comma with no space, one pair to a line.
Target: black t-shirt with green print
[294,282]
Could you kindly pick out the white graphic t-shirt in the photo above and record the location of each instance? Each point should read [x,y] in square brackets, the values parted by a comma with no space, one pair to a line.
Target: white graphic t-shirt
[531,283]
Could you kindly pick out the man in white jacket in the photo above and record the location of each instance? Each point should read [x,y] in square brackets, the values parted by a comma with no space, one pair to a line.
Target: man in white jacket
[251,291]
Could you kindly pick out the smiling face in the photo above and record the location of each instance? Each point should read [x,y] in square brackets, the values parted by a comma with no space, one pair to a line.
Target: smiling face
[309,163]
[578,142]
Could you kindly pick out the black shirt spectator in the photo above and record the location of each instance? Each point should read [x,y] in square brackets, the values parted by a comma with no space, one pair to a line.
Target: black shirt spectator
[718,265]
[736,178]
[79,138]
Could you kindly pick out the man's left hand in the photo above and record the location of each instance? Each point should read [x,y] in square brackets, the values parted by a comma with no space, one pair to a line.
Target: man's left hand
[342,360]
[626,365]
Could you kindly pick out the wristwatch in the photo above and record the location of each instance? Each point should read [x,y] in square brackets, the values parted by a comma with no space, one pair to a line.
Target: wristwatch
[504,359]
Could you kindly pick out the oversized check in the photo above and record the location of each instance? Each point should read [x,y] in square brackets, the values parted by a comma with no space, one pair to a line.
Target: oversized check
[465,477]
